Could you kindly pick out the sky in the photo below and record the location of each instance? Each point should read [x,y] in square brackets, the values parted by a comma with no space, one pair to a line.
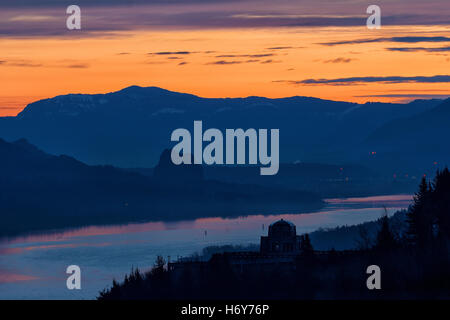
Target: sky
[225,48]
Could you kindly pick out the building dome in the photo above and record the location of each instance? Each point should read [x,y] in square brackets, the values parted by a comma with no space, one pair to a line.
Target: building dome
[282,229]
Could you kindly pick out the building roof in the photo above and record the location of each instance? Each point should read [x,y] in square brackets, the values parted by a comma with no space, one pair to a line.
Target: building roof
[282,223]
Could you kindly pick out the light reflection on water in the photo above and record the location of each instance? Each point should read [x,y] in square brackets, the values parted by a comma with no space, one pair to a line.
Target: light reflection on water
[34,266]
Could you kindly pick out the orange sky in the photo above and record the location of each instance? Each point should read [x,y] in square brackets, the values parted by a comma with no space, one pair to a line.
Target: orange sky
[221,63]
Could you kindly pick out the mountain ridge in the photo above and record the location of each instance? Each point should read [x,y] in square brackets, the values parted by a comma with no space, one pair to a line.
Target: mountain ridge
[130,127]
[158,91]
[39,191]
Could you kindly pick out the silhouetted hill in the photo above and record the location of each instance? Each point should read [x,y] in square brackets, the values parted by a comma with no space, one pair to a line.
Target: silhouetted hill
[418,140]
[168,173]
[41,191]
[327,180]
[129,128]
[354,237]
[422,127]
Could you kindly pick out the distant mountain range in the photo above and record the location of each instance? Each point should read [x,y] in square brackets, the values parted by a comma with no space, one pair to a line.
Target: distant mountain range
[129,128]
[328,181]
[420,139]
[41,191]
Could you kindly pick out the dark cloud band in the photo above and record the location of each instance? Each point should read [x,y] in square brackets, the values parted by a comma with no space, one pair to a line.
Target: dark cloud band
[406,95]
[361,80]
[416,49]
[30,18]
[391,39]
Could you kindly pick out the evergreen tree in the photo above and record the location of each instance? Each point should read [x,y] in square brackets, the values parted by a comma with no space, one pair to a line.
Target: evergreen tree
[441,202]
[385,238]
[419,216]
[158,267]
[305,245]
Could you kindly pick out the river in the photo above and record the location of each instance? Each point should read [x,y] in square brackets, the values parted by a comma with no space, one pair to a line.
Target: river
[34,266]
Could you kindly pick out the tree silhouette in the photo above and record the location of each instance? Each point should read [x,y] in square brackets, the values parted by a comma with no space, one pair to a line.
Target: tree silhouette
[364,242]
[385,237]
[441,201]
[306,246]
[419,216]
[158,267]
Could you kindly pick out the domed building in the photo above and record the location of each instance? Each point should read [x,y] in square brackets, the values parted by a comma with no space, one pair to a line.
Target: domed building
[281,239]
[278,252]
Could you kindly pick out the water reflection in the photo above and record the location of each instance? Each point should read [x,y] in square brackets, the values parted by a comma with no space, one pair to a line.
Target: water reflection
[335,206]
[34,266]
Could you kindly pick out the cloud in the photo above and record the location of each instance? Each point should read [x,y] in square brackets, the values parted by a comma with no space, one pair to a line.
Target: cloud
[294,16]
[406,95]
[32,64]
[227,62]
[416,49]
[182,63]
[339,60]
[405,98]
[100,3]
[46,18]
[362,80]
[270,61]
[164,53]
[254,56]
[262,55]
[78,66]
[32,18]
[20,63]
[280,48]
[391,39]
[25,64]
[223,62]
